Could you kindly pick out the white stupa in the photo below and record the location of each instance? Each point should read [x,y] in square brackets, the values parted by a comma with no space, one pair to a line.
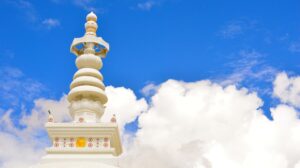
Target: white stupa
[86,142]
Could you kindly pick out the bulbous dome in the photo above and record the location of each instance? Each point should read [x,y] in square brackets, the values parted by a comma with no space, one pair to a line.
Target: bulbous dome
[91,17]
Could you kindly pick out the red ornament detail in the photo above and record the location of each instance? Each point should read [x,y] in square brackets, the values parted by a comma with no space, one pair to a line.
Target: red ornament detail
[81,120]
[90,145]
[113,120]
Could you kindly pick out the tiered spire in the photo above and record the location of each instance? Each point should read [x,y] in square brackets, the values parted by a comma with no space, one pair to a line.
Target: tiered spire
[87,96]
[91,25]
[85,142]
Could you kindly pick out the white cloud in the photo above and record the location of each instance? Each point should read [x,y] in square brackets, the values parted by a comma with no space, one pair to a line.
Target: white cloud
[32,15]
[16,88]
[149,89]
[249,66]
[287,89]
[186,119]
[25,138]
[123,103]
[146,6]
[297,165]
[51,23]
[202,124]
[17,153]
[59,109]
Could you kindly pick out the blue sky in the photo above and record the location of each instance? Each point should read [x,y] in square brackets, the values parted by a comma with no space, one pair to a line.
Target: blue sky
[240,42]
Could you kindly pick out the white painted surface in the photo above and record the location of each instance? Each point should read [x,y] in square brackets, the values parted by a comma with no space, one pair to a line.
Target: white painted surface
[86,142]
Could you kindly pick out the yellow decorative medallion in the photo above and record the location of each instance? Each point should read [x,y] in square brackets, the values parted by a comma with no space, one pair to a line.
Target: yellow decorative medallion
[80,142]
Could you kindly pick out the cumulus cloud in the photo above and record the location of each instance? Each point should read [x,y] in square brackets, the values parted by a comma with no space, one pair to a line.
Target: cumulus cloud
[287,89]
[149,89]
[124,103]
[186,124]
[202,124]
[186,119]
[17,153]
[25,138]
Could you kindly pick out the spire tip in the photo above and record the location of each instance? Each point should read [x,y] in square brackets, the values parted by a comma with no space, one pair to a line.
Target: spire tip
[91,17]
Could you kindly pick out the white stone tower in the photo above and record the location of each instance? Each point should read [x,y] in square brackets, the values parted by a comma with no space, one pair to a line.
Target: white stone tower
[86,142]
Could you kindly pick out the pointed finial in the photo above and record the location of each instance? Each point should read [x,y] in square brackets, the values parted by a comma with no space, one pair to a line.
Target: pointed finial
[50,117]
[91,25]
[91,17]
[113,119]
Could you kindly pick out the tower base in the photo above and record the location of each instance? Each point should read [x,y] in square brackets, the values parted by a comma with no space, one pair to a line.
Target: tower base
[77,161]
